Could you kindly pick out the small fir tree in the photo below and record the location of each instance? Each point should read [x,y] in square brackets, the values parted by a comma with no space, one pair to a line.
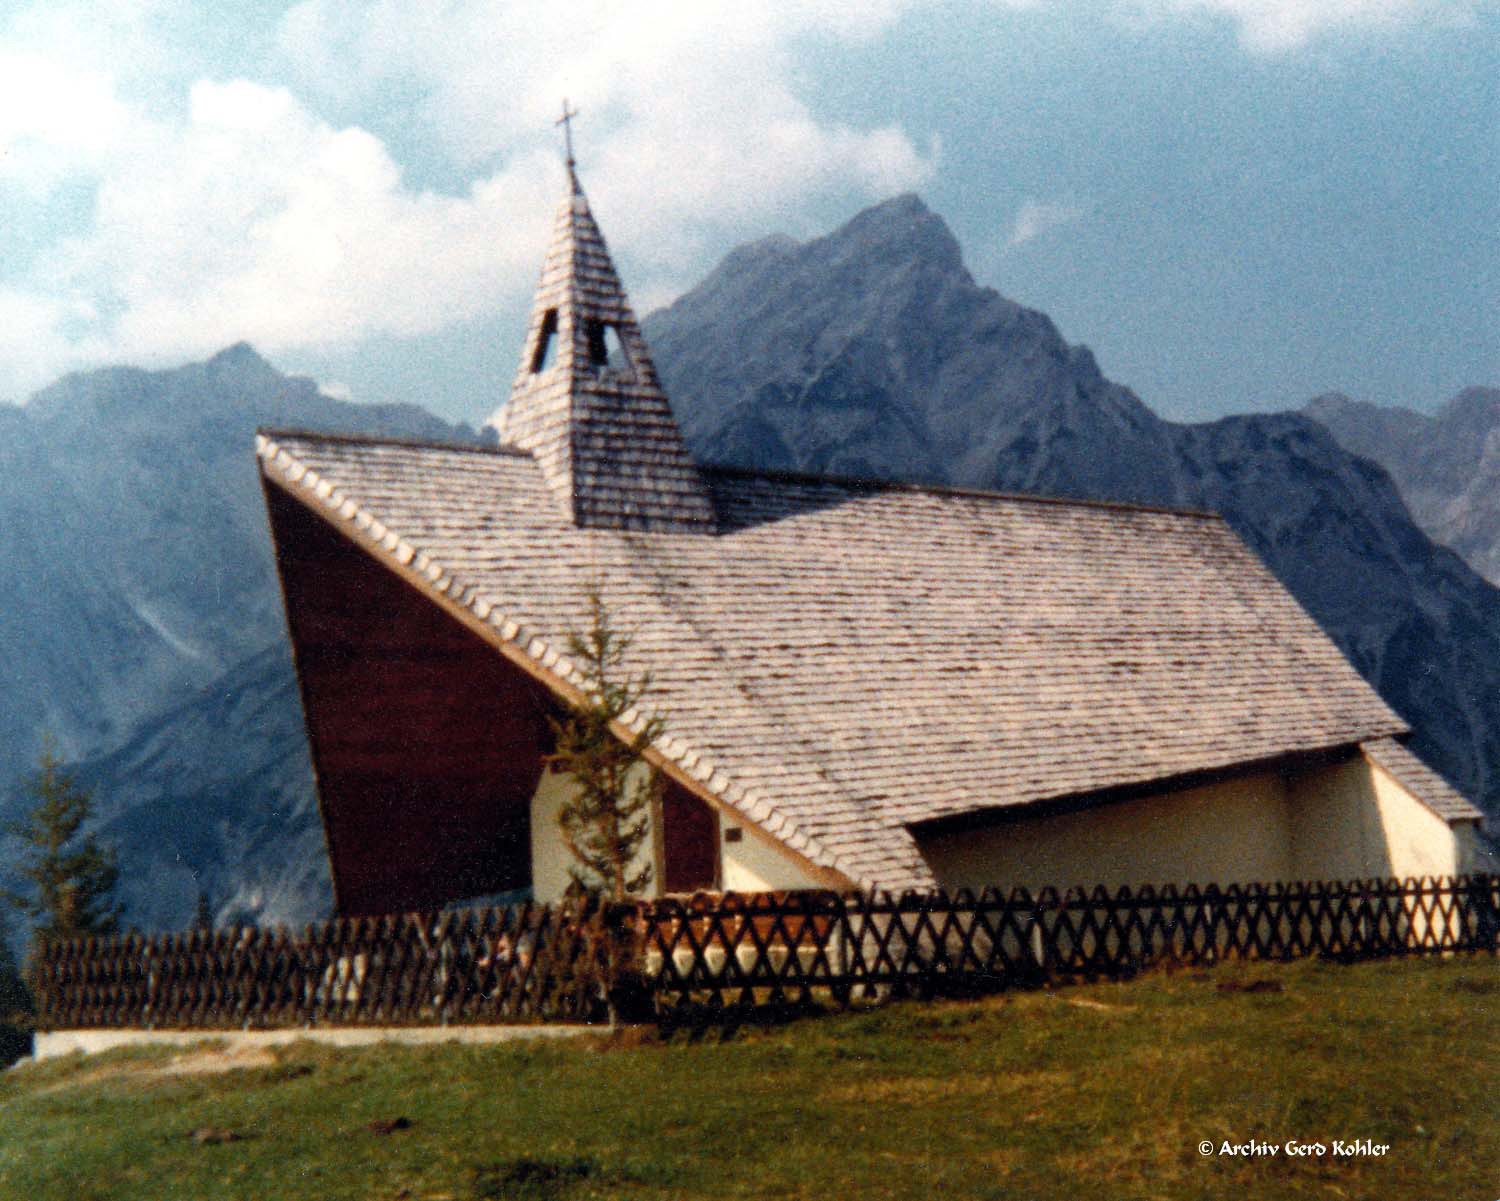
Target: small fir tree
[15,1004]
[72,878]
[607,819]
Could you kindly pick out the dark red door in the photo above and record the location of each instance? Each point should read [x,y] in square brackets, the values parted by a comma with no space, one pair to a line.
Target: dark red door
[690,841]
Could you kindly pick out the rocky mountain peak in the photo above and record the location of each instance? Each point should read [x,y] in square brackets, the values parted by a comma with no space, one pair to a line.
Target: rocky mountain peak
[1447,465]
[902,228]
[873,352]
[1330,403]
[1477,408]
[240,354]
[243,362]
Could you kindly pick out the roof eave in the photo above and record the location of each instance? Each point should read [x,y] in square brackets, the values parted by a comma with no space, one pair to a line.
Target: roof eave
[1297,760]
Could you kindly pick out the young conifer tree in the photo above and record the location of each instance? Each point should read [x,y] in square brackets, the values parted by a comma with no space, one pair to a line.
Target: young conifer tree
[72,878]
[15,1004]
[607,818]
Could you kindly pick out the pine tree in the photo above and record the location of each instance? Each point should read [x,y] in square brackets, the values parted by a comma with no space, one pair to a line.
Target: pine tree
[15,1005]
[72,878]
[607,818]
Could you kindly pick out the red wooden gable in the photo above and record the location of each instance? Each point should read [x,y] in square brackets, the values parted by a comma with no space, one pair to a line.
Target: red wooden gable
[427,743]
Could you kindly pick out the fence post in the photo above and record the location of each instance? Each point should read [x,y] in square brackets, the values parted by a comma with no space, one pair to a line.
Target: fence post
[1484,896]
[627,995]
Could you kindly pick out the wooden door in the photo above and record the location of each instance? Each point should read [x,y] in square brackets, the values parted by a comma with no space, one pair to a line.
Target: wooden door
[689,841]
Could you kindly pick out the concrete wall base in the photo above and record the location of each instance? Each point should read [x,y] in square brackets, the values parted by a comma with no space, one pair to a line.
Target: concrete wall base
[53,1043]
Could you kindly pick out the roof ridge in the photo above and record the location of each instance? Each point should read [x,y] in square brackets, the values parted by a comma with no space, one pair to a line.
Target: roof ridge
[358,439]
[873,483]
[775,475]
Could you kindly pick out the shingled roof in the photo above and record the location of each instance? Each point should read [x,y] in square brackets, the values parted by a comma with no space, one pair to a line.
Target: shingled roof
[1420,780]
[844,659]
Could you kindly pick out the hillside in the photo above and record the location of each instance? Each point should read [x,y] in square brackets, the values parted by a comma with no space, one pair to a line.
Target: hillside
[214,797]
[1046,1094]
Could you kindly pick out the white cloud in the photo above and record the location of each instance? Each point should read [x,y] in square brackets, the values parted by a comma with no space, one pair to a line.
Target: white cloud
[32,348]
[692,128]
[492,72]
[1276,26]
[55,119]
[1036,217]
[257,220]
[251,218]
[234,209]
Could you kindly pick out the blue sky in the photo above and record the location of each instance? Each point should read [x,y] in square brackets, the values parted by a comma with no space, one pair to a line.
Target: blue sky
[1237,204]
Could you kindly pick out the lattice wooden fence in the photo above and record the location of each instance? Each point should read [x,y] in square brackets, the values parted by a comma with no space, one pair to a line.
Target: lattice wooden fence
[729,952]
[520,964]
[799,949]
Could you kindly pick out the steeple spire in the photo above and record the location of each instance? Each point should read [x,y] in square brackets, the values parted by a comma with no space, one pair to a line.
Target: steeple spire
[594,416]
[566,121]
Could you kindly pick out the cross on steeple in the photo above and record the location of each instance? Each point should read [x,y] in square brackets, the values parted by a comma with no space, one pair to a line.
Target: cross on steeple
[566,121]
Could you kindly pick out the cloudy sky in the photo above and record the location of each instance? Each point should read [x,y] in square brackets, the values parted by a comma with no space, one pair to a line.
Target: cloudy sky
[1237,203]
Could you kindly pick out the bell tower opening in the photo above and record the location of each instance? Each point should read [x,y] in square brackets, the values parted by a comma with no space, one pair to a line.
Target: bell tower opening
[606,351]
[542,357]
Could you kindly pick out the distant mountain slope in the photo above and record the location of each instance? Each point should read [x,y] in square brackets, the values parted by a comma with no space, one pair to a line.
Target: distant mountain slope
[134,536]
[1447,466]
[214,797]
[139,607]
[872,351]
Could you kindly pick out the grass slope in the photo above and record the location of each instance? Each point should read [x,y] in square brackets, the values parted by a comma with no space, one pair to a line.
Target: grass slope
[1106,1088]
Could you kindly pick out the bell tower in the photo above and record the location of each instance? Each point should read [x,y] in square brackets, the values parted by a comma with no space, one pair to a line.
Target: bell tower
[598,423]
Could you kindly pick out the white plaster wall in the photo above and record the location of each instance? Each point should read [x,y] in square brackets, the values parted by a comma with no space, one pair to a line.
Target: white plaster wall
[1345,821]
[1419,842]
[550,857]
[1233,831]
[1336,827]
[758,863]
[1353,821]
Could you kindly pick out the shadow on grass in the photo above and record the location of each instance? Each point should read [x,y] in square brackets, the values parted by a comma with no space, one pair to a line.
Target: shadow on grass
[694,1020]
[541,1179]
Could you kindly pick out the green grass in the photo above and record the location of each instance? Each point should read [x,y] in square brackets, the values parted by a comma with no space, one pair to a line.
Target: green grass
[1101,1091]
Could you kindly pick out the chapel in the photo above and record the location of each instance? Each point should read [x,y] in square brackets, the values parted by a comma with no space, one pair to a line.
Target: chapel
[864,684]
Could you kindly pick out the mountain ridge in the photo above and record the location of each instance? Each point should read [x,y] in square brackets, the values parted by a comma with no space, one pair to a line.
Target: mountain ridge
[140,576]
[1446,465]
